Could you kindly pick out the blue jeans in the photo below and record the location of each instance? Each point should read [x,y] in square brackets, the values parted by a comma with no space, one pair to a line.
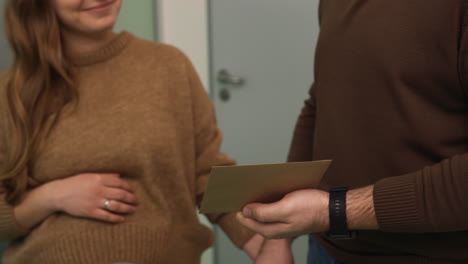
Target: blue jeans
[318,255]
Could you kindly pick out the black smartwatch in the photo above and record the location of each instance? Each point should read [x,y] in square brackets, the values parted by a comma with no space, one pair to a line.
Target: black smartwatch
[337,209]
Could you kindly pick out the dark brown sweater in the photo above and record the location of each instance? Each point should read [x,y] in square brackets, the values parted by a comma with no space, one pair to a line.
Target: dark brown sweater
[144,114]
[389,106]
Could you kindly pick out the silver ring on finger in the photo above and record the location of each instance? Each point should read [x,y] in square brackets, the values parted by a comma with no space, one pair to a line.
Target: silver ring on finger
[107,204]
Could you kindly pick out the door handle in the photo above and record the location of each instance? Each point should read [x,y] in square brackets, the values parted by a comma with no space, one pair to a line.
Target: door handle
[225,77]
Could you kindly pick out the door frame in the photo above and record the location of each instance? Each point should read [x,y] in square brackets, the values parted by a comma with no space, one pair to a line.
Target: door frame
[193,41]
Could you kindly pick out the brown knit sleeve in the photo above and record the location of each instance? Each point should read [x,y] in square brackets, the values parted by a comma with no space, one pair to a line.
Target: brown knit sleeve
[303,138]
[208,139]
[434,199]
[9,228]
[301,147]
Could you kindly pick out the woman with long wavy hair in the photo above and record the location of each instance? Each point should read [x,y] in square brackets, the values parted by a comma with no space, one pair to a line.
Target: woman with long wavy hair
[106,142]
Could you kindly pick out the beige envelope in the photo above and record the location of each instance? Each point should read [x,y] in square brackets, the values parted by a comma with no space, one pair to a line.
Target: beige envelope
[232,187]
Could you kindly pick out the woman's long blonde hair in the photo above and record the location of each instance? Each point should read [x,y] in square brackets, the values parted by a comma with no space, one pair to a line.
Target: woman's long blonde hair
[38,85]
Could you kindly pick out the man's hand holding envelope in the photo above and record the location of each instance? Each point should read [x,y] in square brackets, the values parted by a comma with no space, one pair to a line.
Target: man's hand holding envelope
[266,195]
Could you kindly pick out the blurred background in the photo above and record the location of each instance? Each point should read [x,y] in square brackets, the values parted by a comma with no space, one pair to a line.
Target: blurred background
[255,58]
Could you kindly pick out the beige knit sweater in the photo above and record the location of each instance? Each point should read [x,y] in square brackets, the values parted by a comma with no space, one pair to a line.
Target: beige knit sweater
[142,113]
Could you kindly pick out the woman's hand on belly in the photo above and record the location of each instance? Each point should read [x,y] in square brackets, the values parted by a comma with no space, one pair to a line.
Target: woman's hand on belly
[104,197]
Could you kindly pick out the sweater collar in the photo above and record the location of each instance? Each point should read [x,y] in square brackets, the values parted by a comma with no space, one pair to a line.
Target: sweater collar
[104,53]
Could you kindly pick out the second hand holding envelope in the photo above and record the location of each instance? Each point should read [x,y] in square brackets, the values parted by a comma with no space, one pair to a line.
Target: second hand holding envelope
[230,188]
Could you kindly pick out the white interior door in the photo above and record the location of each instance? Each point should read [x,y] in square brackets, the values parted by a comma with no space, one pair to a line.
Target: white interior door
[266,49]
[6,55]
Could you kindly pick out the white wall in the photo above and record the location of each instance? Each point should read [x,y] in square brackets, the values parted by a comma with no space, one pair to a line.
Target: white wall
[184,24]
[137,16]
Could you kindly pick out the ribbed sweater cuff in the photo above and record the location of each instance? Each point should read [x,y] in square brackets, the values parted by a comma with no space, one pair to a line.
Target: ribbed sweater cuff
[396,204]
[9,227]
[238,234]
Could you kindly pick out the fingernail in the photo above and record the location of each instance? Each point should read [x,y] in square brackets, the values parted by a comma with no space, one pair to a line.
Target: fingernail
[247,212]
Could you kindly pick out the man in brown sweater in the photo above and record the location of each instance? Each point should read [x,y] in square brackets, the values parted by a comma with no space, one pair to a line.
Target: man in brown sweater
[389,107]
